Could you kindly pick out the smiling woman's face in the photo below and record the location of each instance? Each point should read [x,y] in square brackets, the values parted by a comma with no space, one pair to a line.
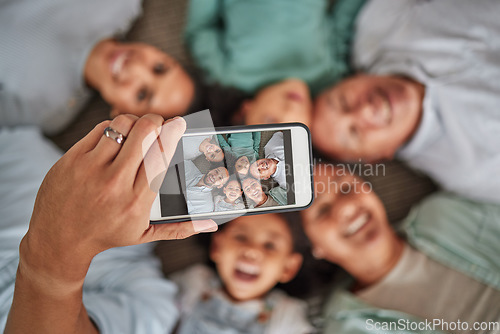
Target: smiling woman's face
[253,190]
[367,117]
[347,224]
[137,78]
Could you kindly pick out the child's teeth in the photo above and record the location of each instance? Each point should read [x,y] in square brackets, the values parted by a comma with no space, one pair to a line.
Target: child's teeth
[248,268]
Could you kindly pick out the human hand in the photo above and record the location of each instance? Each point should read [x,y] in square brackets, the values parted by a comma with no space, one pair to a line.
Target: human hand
[99,196]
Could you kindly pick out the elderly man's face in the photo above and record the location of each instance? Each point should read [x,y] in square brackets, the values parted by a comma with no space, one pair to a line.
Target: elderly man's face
[263,168]
[367,117]
[216,178]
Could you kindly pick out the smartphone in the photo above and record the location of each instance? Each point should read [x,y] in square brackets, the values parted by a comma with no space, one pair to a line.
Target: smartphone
[228,172]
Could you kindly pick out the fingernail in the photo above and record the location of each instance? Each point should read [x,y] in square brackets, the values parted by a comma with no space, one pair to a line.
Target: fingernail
[172,119]
[203,226]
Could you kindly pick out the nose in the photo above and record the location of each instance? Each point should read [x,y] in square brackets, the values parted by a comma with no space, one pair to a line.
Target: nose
[252,252]
[136,70]
[361,115]
[372,112]
[345,211]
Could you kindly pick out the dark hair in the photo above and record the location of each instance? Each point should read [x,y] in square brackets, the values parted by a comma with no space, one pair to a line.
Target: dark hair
[315,276]
[233,177]
[224,103]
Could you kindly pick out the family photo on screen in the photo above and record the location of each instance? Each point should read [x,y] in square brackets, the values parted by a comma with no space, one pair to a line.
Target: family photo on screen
[235,171]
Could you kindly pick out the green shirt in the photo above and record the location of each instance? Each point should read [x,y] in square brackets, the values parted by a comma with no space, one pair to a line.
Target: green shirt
[455,232]
[239,144]
[251,44]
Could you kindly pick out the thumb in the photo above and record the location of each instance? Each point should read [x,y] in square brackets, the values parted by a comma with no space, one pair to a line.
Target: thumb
[182,230]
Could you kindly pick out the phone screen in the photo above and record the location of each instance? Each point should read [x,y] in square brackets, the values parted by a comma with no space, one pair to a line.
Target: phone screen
[229,173]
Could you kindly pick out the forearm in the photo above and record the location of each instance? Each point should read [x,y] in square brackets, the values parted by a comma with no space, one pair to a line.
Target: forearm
[48,298]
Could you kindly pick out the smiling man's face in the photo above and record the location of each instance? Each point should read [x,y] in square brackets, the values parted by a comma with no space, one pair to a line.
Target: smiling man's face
[367,117]
[216,178]
[263,169]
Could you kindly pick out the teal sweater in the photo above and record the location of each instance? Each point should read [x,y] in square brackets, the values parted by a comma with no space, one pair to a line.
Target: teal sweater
[239,144]
[249,44]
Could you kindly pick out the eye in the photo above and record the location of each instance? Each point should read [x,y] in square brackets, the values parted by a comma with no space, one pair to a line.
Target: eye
[159,68]
[353,131]
[240,237]
[269,246]
[346,188]
[343,104]
[142,94]
[323,210]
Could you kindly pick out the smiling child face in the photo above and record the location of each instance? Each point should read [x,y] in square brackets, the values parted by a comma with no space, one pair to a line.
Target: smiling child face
[254,253]
[232,190]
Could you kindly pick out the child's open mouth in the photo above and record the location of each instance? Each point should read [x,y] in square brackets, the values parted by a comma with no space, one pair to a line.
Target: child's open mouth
[246,272]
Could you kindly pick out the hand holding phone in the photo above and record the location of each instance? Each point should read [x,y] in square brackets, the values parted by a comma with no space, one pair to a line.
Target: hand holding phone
[228,172]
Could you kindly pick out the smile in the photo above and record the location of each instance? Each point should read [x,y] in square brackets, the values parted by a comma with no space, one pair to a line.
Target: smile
[117,63]
[357,224]
[383,113]
[246,271]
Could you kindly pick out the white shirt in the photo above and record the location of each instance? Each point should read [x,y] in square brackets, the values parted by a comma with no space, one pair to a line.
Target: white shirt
[453,48]
[44,48]
[288,316]
[222,205]
[199,199]
[124,291]
[275,149]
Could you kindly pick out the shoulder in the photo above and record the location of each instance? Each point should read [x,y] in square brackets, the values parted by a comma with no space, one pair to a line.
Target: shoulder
[346,313]
[289,315]
[192,283]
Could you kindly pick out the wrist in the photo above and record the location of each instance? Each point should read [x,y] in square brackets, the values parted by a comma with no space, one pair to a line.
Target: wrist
[50,269]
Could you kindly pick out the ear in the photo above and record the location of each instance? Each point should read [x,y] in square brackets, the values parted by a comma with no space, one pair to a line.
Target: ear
[214,247]
[292,266]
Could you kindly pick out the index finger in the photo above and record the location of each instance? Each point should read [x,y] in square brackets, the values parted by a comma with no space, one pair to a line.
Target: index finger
[158,156]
